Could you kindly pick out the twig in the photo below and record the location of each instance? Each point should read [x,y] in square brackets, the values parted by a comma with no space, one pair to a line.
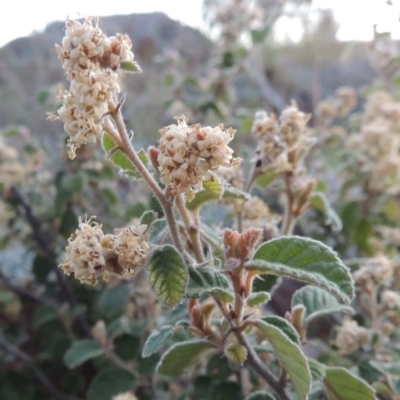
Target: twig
[24,292]
[37,372]
[49,253]
[254,360]
[192,229]
[166,204]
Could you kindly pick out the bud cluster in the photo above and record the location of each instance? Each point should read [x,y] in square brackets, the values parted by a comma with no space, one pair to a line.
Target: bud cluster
[91,254]
[188,154]
[279,138]
[90,60]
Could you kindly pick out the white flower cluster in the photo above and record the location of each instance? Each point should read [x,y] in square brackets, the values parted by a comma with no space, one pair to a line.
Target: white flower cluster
[91,254]
[350,337]
[189,153]
[277,138]
[90,59]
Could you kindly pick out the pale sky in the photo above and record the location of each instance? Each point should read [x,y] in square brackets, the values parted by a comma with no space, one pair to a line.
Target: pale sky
[22,17]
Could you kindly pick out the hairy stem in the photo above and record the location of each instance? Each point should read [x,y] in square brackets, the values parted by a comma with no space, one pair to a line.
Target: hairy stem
[253,359]
[192,229]
[289,220]
[166,204]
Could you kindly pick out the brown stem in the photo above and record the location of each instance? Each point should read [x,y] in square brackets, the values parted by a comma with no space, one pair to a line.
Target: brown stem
[254,360]
[166,204]
[289,220]
[192,229]
[49,253]
[37,372]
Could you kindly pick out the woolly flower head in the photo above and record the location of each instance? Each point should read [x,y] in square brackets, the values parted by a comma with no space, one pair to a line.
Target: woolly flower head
[350,337]
[279,137]
[188,153]
[91,60]
[91,254]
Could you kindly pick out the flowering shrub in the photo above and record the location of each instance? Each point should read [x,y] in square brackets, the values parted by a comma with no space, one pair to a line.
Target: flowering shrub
[173,307]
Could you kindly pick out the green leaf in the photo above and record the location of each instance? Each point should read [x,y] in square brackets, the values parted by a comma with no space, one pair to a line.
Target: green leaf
[207,280]
[81,351]
[284,326]
[231,192]
[265,283]
[260,395]
[118,157]
[212,191]
[319,201]
[306,260]
[130,66]
[113,300]
[156,340]
[110,382]
[341,384]
[257,298]
[158,231]
[290,356]
[214,186]
[266,177]
[318,302]
[148,217]
[182,355]
[259,35]
[168,274]
[43,315]
[236,353]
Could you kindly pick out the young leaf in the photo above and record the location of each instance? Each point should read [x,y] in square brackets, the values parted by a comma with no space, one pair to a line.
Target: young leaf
[341,384]
[306,260]
[202,197]
[81,351]
[148,217]
[130,66]
[109,383]
[260,396]
[236,353]
[319,201]
[284,326]
[214,186]
[318,302]
[156,340]
[231,192]
[181,355]
[290,356]
[118,157]
[206,280]
[258,298]
[168,274]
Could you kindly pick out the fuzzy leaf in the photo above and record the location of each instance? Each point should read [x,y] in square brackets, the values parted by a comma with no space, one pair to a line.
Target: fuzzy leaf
[306,260]
[236,353]
[158,231]
[231,192]
[156,340]
[214,186]
[260,395]
[113,300]
[202,197]
[130,66]
[258,298]
[181,356]
[81,351]
[290,356]
[168,274]
[284,326]
[319,201]
[316,368]
[318,302]
[109,383]
[206,280]
[341,384]
[148,217]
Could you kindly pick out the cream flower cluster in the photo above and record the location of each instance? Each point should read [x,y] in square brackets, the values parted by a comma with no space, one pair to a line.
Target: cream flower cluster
[277,138]
[189,152]
[91,254]
[377,146]
[90,60]
[350,337]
